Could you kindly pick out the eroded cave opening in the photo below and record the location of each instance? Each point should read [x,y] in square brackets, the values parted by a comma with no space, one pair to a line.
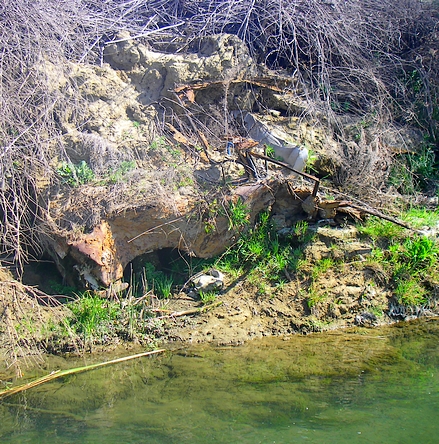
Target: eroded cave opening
[45,276]
[163,271]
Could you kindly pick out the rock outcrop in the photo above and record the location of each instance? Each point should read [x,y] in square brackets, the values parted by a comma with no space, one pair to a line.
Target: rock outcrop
[98,258]
[153,190]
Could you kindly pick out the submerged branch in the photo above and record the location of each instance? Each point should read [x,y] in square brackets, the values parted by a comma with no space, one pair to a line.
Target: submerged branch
[60,373]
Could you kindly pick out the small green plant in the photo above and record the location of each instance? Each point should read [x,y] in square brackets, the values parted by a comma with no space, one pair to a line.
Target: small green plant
[321,267]
[185,180]
[271,153]
[157,143]
[414,81]
[163,285]
[174,152]
[207,296]
[157,281]
[410,292]
[238,215]
[75,175]
[119,173]
[84,173]
[312,159]
[420,252]
[302,232]
[209,226]
[315,296]
[59,288]
[260,253]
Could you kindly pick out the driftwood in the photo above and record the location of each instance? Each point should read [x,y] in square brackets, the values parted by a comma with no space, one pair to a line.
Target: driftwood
[288,167]
[60,373]
[262,82]
[376,213]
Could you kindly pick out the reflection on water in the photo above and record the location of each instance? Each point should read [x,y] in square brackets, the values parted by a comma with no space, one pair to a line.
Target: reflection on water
[371,386]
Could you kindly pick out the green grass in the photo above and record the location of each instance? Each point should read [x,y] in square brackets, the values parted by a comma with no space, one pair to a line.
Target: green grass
[407,261]
[158,143]
[410,292]
[157,281]
[420,252]
[238,215]
[421,217]
[207,296]
[262,255]
[381,230]
[92,317]
[321,267]
[315,297]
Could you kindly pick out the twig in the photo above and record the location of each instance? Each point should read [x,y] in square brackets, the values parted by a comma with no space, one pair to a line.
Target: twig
[285,165]
[153,228]
[145,34]
[192,311]
[377,213]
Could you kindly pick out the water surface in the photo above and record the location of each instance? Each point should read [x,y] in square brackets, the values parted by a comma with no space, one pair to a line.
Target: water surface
[366,386]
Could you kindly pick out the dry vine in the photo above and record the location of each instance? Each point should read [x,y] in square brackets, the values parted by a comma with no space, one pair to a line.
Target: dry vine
[342,52]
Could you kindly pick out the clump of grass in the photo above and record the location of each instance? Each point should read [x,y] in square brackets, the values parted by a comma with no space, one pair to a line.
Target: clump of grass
[380,230]
[405,260]
[157,281]
[410,292]
[238,215]
[314,296]
[420,252]
[262,254]
[120,172]
[321,267]
[92,317]
[421,217]
[207,296]
[158,143]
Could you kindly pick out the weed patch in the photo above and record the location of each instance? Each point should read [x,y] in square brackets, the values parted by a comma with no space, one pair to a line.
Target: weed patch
[409,261]
[75,175]
[92,317]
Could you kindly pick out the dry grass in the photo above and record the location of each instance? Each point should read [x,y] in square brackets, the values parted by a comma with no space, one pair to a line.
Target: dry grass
[25,316]
[347,56]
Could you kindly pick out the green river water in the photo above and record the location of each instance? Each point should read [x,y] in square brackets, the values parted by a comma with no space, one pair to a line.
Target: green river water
[365,386]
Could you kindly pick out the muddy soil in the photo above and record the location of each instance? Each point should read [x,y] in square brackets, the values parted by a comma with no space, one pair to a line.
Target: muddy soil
[352,292]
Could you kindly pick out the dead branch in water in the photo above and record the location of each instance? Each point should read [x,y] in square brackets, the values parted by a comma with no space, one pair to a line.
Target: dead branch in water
[60,373]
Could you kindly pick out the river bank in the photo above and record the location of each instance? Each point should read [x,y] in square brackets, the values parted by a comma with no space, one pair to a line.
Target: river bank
[340,279]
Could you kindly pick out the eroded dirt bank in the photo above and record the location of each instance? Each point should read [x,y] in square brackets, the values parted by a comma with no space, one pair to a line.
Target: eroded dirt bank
[354,291]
